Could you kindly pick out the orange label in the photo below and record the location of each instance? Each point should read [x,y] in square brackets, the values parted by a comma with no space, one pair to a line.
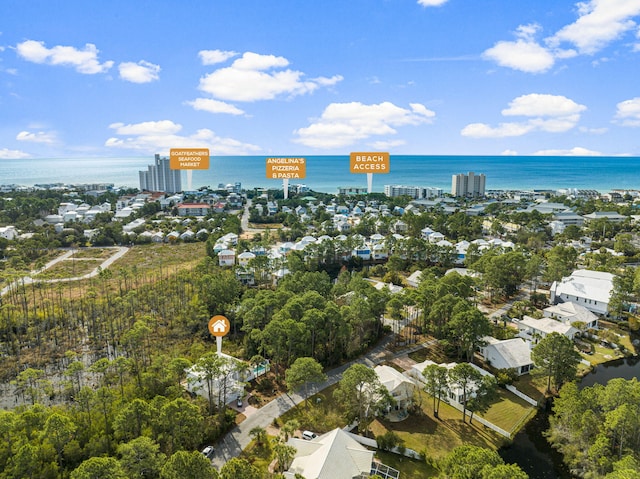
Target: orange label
[370,162]
[286,168]
[219,326]
[189,158]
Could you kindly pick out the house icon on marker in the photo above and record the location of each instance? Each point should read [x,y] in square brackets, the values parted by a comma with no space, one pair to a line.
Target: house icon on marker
[219,326]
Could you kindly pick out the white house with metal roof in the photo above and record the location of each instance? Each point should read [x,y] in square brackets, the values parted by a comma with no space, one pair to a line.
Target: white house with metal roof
[533,330]
[591,289]
[334,455]
[399,386]
[508,354]
[454,391]
[571,313]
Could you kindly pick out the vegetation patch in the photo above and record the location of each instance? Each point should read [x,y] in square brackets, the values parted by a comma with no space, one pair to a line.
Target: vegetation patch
[70,268]
[321,414]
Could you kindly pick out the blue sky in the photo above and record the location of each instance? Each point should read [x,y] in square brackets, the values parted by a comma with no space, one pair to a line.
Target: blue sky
[288,77]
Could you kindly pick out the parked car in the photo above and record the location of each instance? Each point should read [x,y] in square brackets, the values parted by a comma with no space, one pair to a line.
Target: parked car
[239,402]
[308,435]
[208,452]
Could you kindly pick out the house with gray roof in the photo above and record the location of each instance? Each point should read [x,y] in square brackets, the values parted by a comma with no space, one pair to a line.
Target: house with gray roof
[533,330]
[570,313]
[508,354]
[333,455]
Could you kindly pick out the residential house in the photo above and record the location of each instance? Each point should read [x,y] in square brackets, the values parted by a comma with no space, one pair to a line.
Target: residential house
[570,313]
[157,237]
[244,258]
[379,252]
[414,279]
[172,237]
[400,227]
[454,391]
[507,354]
[334,455]
[230,382]
[227,257]
[533,330]
[8,232]
[399,386]
[187,235]
[591,289]
[363,252]
[124,213]
[229,238]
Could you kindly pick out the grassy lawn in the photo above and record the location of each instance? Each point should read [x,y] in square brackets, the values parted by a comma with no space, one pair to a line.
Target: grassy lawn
[508,411]
[531,385]
[434,352]
[409,468]
[260,456]
[437,437]
[321,414]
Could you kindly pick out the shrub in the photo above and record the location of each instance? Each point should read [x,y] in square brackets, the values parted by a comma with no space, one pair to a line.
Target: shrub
[388,441]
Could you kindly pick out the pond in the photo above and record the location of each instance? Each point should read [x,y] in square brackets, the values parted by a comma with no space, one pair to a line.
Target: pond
[530,449]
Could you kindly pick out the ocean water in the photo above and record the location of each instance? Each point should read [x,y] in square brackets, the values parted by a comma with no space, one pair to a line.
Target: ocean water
[327,173]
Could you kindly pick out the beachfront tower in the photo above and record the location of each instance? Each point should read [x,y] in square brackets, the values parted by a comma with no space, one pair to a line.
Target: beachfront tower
[160,177]
[468,185]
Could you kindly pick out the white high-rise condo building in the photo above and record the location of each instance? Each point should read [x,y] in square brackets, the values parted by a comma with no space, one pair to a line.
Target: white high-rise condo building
[416,192]
[468,185]
[160,177]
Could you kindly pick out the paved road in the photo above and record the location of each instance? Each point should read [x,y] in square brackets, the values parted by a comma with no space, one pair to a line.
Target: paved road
[238,438]
[244,220]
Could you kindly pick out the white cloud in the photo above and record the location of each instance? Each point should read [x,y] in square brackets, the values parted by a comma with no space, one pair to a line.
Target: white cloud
[537,104]
[576,151]
[628,112]
[211,57]
[593,131]
[521,55]
[214,106]
[524,54]
[548,113]
[84,61]
[599,23]
[432,3]
[509,153]
[482,130]
[141,72]
[162,127]
[256,77]
[343,124]
[161,136]
[37,137]
[6,154]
